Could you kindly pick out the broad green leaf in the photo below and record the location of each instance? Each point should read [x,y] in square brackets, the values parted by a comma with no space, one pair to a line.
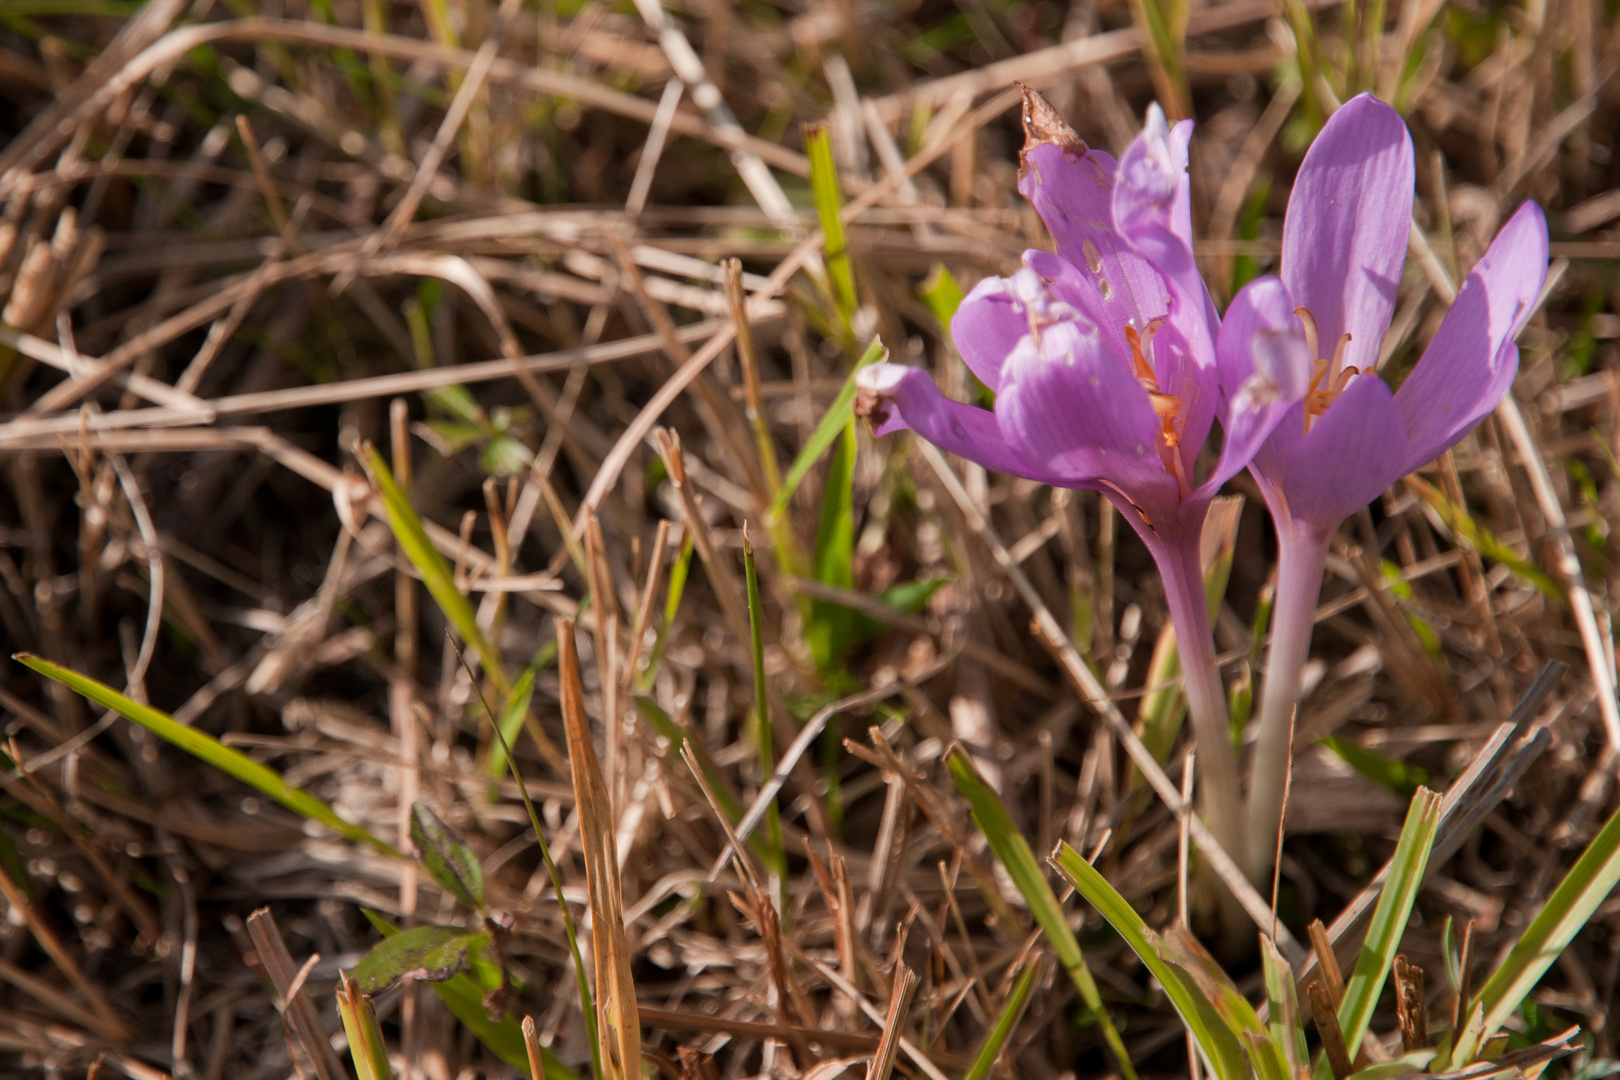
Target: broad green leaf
[513,714]
[1013,851]
[1006,1020]
[464,998]
[430,953]
[831,426]
[1389,920]
[1586,886]
[829,201]
[1219,1044]
[413,541]
[208,749]
[446,857]
[1398,776]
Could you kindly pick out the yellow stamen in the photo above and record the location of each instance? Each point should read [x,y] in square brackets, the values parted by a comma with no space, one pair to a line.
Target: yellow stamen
[1331,373]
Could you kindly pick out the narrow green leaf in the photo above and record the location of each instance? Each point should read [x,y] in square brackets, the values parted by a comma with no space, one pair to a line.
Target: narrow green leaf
[831,426]
[1406,1065]
[678,574]
[1178,946]
[776,863]
[832,627]
[1398,776]
[366,1046]
[446,857]
[436,575]
[1013,851]
[1482,540]
[513,713]
[1218,1043]
[210,750]
[1283,1007]
[660,721]
[942,295]
[1569,908]
[1006,1020]
[430,953]
[586,1005]
[1388,922]
[829,201]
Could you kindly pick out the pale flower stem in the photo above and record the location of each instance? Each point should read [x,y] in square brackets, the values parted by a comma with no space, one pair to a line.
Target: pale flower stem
[1220,793]
[1301,557]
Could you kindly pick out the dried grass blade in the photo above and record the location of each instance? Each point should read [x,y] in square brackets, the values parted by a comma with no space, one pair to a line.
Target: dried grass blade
[618,1025]
[905,984]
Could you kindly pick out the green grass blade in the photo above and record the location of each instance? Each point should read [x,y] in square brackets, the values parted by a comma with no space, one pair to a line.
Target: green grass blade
[831,628]
[1013,851]
[513,714]
[678,574]
[942,295]
[1283,1007]
[1398,776]
[1482,540]
[1218,1043]
[209,750]
[829,201]
[1389,920]
[1178,946]
[660,721]
[586,1004]
[831,426]
[777,863]
[414,543]
[1006,1021]
[1586,886]
[366,1046]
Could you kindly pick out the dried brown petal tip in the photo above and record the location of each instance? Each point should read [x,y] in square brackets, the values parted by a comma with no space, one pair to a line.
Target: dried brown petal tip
[1043,124]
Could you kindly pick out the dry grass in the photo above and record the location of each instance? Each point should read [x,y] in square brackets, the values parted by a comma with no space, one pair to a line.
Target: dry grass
[237,242]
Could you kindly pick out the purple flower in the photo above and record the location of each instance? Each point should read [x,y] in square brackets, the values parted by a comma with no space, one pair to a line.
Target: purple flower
[1103,361]
[1349,437]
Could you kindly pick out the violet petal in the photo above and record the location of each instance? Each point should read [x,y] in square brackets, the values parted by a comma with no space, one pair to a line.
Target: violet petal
[1353,452]
[1349,217]
[1471,361]
[1264,371]
[1070,408]
[895,397]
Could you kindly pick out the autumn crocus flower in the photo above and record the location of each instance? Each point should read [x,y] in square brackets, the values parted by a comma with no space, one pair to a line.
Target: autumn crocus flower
[1344,242]
[1102,358]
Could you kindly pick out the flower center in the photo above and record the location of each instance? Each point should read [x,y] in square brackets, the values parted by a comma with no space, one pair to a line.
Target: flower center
[1167,407]
[1330,376]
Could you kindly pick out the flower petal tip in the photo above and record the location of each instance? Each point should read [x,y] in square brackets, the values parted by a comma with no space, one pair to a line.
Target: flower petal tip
[875,387]
[1044,124]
